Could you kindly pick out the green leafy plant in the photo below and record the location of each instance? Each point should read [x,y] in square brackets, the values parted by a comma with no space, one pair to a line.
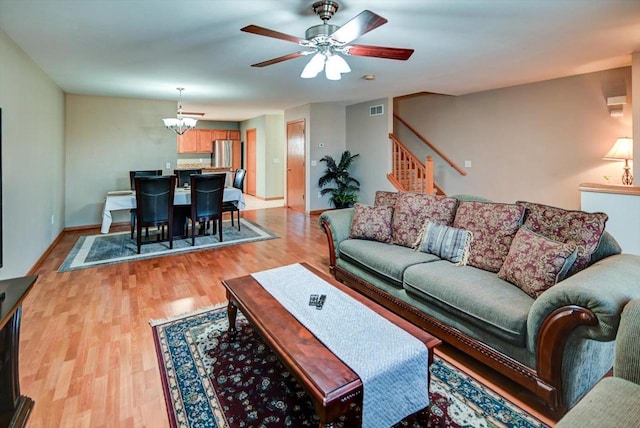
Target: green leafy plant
[338,182]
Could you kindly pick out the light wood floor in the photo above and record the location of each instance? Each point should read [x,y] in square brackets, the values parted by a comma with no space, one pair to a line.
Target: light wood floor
[87,355]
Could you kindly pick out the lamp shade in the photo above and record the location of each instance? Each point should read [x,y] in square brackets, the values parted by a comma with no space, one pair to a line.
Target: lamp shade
[315,66]
[621,150]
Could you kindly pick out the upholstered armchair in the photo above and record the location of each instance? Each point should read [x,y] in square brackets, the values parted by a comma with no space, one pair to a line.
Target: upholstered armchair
[614,401]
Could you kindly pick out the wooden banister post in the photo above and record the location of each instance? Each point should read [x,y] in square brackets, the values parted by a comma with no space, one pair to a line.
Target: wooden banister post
[429,175]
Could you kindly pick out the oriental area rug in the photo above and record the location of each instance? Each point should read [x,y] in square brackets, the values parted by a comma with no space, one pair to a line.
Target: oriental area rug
[103,249]
[209,381]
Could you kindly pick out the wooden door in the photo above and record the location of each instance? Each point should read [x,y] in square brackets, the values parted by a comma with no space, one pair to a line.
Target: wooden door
[237,154]
[295,165]
[250,178]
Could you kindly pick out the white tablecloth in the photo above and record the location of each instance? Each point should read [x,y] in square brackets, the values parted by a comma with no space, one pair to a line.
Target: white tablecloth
[115,202]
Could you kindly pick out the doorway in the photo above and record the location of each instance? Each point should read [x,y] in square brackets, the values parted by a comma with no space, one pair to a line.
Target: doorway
[295,165]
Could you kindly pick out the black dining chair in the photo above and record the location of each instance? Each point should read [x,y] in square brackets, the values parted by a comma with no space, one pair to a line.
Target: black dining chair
[154,206]
[238,183]
[207,191]
[132,182]
[185,174]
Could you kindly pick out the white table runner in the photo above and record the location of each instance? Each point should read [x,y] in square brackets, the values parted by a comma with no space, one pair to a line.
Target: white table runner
[391,363]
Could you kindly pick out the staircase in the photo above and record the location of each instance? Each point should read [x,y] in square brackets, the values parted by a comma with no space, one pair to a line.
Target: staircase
[408,173]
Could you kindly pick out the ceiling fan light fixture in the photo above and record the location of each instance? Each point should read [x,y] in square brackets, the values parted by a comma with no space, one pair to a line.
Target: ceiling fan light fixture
[314,66]
[332,74]
[338,63]
[180,124]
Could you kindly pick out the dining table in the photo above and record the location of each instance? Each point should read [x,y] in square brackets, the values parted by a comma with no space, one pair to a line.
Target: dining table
[126,200]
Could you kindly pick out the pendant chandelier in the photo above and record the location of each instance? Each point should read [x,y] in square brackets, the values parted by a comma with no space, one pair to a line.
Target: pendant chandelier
[180,124]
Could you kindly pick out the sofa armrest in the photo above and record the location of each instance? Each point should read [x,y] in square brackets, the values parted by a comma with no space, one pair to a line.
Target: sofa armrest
[337,226]
[602,289]
[627,359]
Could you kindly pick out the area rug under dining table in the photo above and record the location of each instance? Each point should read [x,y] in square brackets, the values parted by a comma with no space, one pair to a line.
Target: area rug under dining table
[109,248]
[210,381]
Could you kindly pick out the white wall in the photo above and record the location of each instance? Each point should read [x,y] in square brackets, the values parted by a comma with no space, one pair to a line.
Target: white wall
[536,142]
[106,137]
[635,110]
[275,156]
[327,127]
[32,159]
[368,136]
[259,124]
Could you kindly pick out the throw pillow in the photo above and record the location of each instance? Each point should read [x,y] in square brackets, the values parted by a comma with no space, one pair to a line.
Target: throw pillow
[494,225]
[446,242]
[411,212]
[372,223]
[385,198]
[575,227]
[536,263]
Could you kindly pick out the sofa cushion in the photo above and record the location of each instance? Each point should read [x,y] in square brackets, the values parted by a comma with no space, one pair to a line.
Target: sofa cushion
[577,227]
[373,223]
[411,212]
[385,198]
[446,242]
[474,296]
[494,226]
[387,261]
[536,263]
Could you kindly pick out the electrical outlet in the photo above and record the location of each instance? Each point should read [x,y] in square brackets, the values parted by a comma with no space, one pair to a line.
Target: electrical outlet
[52,219]
[467,164]
[168,165]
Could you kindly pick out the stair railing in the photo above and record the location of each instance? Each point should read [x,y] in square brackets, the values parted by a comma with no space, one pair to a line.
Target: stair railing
[408,173]
[431,146]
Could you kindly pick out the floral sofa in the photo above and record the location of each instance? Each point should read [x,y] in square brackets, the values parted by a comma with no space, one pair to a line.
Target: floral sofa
[533,291]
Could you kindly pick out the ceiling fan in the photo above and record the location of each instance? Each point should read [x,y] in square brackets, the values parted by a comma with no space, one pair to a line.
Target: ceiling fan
[328,41]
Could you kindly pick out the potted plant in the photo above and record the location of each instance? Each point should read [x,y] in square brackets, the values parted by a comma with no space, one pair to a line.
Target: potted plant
[343,187]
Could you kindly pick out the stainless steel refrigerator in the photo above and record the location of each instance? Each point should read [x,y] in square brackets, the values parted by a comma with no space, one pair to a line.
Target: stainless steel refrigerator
[222,156]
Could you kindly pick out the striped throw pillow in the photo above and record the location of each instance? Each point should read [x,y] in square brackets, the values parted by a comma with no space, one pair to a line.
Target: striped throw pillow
[448,243]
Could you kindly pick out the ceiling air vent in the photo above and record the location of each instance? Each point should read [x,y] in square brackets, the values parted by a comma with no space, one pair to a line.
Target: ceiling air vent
[376,110]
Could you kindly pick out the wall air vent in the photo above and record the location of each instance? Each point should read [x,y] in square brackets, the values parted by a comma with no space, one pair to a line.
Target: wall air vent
[376,110]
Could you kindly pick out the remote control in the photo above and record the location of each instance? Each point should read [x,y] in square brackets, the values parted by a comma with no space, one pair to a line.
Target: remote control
[321,300]
[313,300]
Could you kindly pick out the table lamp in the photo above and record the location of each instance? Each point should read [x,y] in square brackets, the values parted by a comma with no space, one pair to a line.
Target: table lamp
[622,150]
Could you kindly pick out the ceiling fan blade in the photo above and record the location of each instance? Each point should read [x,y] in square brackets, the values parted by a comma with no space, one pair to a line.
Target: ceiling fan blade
[380,52]
[261,31]
[359,25]
[280,59]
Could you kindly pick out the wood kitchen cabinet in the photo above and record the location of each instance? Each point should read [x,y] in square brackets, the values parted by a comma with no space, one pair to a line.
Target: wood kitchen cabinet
[205,139]
[196,141]
[188,142]
[225,134]
[200,140]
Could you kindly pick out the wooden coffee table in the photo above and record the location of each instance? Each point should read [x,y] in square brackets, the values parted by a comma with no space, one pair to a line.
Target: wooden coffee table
[331,384]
